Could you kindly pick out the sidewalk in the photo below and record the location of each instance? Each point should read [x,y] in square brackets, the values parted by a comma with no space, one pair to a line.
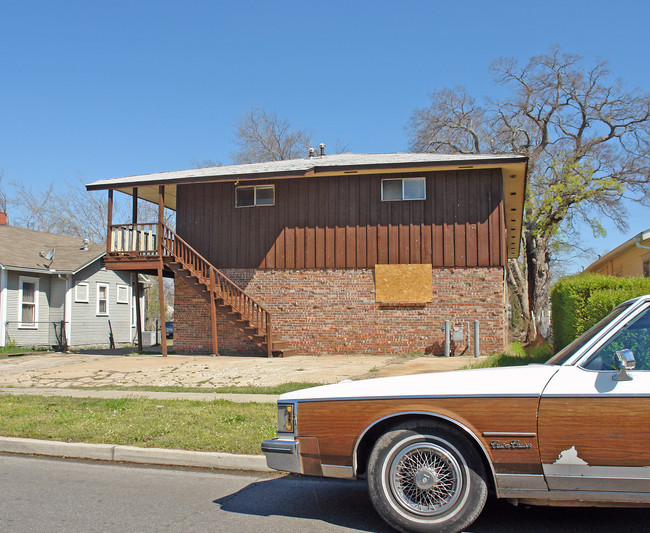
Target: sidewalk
[59,374]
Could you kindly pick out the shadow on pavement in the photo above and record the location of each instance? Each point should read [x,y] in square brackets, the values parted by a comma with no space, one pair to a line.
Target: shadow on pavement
[341,503]
[347,504]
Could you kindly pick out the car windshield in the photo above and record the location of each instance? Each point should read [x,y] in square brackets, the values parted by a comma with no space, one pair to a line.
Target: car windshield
[565,353]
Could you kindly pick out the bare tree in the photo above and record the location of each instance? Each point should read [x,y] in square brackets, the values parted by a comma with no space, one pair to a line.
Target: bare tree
[262,136]
[70,211]
[3,196]
[587,139]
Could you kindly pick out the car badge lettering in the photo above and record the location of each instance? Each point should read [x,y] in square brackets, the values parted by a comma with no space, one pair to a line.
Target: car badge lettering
[512,445]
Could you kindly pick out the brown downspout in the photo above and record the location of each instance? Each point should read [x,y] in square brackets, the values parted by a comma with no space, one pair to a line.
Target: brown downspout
[161,297]
[213,312]
[136,287]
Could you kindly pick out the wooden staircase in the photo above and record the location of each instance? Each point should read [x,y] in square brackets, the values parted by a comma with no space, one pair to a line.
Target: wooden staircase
[221,293]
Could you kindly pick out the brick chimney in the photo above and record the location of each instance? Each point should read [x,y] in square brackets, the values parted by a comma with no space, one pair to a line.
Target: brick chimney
[3,219]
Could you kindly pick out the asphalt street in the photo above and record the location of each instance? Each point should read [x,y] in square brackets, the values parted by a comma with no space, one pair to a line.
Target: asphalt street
[57,495]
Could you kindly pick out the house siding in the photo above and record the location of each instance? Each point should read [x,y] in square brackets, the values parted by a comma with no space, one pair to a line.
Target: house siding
[627,263]
[341,222]
[89,329]
[333,311]
[42,335]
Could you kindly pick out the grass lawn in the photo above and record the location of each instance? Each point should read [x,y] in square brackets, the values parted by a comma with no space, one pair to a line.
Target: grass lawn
[204,426]
[517,355]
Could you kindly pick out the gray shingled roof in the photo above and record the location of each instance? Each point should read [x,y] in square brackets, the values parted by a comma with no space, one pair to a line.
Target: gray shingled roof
[303,165]
[19,249]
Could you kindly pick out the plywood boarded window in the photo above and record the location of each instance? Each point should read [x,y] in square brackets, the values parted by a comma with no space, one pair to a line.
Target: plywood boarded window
[406,284]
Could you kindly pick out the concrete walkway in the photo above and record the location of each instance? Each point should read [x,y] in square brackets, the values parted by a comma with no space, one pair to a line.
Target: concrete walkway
[63,374]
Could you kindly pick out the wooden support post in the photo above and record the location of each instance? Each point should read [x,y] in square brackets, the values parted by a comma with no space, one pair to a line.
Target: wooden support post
[109,233]
[135,236]
[161,298]
[269,337]
[161,218]
[213,312]
[138,315]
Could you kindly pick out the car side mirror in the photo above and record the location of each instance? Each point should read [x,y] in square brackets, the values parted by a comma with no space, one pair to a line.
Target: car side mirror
[624,361]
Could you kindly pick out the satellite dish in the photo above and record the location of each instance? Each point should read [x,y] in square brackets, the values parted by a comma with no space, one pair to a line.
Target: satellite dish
[48,256]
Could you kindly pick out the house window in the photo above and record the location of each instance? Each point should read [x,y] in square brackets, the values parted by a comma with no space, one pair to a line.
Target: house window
[403,189]
[646,269]
[254,195]
[102,299]
[28,305]
[122,294]
[81,292]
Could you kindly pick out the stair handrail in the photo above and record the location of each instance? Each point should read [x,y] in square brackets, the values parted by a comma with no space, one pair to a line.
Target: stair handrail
[224,288]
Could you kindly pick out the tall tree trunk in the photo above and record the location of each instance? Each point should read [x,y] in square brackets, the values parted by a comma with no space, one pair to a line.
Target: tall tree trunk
[518,285]
[539,282]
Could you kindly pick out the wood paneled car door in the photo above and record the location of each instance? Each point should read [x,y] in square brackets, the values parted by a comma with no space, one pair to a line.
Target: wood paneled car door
[594,431]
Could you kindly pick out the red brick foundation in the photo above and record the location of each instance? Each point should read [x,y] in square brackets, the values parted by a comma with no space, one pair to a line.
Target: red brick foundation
[334,312]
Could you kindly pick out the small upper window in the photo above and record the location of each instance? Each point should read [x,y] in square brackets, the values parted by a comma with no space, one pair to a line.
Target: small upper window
[252,195]
[646,269]
[81,292]
[102,299]
[122,294]
[28,304]
[403,189]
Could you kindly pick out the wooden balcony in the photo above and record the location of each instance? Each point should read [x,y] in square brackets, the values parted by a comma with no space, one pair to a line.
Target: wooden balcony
[153,247]
[134,247]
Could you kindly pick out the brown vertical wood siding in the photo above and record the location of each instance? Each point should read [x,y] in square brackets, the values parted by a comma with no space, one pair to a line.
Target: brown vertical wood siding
[341,222]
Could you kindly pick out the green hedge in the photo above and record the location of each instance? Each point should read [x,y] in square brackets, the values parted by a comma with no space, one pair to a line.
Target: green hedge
[578,302]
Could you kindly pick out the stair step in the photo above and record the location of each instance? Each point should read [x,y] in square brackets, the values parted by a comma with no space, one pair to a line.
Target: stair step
[281,345]
[284,353]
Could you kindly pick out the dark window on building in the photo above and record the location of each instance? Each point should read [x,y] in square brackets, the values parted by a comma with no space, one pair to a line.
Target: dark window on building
[403,189]
[253,195]
[646,269]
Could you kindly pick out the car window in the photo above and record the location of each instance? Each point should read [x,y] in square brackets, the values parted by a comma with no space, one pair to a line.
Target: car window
[634,336]
[567,352]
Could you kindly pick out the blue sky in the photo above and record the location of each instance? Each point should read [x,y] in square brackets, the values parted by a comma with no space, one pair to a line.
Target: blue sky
[104,89]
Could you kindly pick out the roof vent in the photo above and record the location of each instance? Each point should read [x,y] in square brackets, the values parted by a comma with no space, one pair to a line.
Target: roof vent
[322,149]
[311,152]
[84,248]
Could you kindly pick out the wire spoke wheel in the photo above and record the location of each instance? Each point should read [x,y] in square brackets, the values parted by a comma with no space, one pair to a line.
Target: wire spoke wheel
[425,478]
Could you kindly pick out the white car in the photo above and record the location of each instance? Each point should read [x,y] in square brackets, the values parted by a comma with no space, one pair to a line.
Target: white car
[572,431]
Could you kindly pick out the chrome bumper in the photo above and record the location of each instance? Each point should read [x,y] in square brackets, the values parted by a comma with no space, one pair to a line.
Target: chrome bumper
[282,455]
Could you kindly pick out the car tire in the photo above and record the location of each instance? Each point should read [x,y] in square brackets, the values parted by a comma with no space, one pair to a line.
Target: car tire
[426,476]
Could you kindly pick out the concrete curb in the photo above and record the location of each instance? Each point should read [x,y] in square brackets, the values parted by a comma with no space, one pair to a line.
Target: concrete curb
[134,454]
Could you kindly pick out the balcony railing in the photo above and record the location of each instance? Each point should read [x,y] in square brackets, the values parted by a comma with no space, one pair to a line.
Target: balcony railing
[134,239]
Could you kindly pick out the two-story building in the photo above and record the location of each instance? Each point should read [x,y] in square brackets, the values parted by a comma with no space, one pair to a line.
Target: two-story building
[349,253]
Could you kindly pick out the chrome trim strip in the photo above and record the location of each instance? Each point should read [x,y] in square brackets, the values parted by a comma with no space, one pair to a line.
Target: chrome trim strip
[502,434]
[609,484]
[419,397]
[337,471]
[601,395]
[431,415]
[577,496]
[520,482]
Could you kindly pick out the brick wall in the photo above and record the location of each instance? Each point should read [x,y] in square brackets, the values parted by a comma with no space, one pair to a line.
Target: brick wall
[334,312]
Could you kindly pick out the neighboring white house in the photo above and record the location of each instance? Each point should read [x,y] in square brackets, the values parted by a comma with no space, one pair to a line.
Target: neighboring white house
[55,291]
